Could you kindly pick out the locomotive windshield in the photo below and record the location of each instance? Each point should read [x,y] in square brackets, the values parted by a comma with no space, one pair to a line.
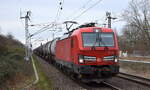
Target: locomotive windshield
[98,39]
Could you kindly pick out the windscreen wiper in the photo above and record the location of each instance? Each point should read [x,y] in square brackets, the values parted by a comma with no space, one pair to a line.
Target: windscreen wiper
[101,41]
[97,39]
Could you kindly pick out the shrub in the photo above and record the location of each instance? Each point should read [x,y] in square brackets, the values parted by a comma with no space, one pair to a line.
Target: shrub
[12,59]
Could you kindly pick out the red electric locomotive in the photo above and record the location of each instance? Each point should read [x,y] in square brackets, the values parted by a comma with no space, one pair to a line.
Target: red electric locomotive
[91,53]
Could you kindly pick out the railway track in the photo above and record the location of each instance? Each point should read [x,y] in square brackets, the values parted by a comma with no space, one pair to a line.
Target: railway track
[137,79]
[118,83]
[90,86]
[97,86]
[112,86]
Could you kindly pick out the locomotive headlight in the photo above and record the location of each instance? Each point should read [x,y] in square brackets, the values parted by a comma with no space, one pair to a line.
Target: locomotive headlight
[116,60]
[81,59]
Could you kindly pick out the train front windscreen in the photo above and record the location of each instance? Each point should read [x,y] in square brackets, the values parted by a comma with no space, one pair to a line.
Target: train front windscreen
[98,39]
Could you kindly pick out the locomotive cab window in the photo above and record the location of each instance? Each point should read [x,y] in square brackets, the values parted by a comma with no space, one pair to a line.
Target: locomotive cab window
[100,39]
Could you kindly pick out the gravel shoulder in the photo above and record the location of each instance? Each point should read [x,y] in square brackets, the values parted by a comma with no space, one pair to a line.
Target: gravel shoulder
[58,79]
[127,85]
[138,69]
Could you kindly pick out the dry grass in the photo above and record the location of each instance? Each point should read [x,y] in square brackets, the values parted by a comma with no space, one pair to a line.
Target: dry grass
[139,69]
[44,82]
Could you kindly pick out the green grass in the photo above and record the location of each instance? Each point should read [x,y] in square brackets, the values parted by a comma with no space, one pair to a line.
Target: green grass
[44,82]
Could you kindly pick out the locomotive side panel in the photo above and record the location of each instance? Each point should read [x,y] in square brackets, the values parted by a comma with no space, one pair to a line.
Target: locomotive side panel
[75,49]
[63,50]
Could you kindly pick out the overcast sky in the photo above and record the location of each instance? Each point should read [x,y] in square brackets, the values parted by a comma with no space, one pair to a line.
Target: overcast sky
[44,11]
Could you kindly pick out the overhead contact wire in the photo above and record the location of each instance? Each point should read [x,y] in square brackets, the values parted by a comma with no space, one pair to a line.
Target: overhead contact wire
[87,9]
[79,9]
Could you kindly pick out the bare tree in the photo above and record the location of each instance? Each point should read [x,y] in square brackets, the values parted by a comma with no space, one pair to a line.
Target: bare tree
[136,32]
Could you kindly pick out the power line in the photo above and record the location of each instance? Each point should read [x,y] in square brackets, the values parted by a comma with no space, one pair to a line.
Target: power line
[61,3]
[59,10]
[41,30]
[79,9]
[102,21]
[40,24]
[87,9]
[45,28]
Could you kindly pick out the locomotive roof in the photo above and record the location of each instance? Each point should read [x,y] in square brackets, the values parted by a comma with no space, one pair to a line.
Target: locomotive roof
[91,29]
[85,29]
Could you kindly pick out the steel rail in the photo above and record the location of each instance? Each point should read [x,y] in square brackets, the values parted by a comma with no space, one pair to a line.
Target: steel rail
[135,61]
[137,79]
[112,86]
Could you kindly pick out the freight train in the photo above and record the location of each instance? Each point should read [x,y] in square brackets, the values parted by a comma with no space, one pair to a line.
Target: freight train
[87,52]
